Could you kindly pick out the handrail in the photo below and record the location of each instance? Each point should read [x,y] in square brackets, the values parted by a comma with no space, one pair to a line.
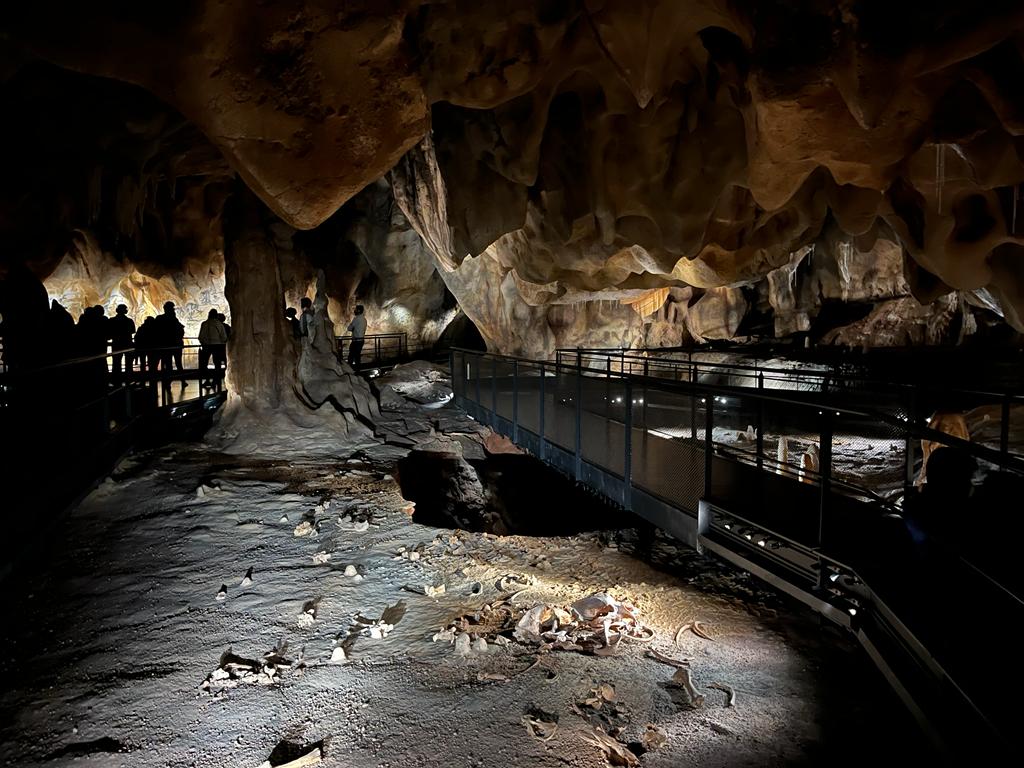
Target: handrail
[616,481]
[914,429]
[830,371]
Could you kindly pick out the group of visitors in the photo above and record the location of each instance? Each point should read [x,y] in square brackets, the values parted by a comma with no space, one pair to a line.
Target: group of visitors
[301,325]
[156,345]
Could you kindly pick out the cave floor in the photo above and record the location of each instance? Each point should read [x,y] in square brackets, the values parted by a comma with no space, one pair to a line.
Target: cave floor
[111,633]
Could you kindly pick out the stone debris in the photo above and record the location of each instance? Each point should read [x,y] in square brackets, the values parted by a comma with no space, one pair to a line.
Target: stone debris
[234,669]
[601,710]
[351,570]
[222,593]
[378,629]
[338,655]
[304,528]
[319,558]
[289,755]
[284,519]
[463,644]
[247,579]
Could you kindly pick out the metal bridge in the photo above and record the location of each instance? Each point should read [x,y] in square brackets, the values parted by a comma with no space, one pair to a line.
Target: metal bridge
[699,449]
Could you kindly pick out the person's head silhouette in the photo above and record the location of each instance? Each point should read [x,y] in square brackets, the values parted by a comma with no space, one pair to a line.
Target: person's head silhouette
[290,312]
[222,317]
[212,315]
[306,303]
[950,473]
[122,309]
[359,309]
[169,307]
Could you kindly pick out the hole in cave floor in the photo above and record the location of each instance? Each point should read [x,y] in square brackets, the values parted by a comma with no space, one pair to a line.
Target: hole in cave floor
[503,494]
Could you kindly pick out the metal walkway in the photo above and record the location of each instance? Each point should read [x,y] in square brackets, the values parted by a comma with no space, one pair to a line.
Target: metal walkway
[706,463]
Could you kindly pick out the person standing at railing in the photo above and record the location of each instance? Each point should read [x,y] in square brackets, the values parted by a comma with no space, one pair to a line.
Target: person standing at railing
[122,329]
[220,352]
[212,335]
[290,316]
[358,330]
[145,341]
[307,315]
[170,338]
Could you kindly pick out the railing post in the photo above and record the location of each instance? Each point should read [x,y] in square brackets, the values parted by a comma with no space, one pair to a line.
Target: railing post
[910,445]
[627,460]
[825,470]
[494,390]
[579,416]
[709,442]
[515,401]
[476,380]
[1004,426]
[451,372]
[760,420]
[543,387]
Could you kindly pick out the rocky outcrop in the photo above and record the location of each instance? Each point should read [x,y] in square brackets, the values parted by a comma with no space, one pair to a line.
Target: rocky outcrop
[556,159]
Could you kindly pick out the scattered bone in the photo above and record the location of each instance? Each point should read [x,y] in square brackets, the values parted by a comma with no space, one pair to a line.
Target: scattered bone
[223,592]
[653,738]
[730,693]
[615,752]
[338,655]
[303,529]
[491,677]
[682,678]
[539,724]
[658,656]
[351,570]
[247,579]
[319,558]
[696,627]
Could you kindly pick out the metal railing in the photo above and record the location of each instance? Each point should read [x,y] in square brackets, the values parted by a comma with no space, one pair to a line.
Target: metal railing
[794,484]
[379,347]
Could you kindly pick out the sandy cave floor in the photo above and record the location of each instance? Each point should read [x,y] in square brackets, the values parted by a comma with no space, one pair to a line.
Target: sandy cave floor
[110,635]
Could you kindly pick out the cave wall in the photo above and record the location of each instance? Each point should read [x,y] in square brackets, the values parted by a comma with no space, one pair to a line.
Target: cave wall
[561,163]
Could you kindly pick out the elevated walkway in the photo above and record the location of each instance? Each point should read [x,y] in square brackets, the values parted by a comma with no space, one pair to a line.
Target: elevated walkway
[716,457]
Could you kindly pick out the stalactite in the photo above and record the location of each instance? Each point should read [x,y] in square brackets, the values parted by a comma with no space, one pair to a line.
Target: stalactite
[940,173]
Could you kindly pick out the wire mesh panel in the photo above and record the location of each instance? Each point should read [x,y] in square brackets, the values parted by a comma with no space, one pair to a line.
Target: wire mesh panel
[868,457]
[560,408]
[473,389]
[458,374]
[504,387]
[736,422]
[670,468]
[791,438]
[603,429]
[528,394]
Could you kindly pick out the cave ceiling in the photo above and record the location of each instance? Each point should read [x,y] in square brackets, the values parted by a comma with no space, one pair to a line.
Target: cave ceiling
[593,146]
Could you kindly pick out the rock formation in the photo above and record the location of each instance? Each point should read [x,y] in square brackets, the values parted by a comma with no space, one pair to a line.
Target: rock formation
[578,173]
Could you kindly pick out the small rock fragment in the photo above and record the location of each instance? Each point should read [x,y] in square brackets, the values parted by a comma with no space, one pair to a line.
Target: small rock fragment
[350,570]
[247,579]
[223,593]
[338,655]
[304,528]
[480,645]
[462,644]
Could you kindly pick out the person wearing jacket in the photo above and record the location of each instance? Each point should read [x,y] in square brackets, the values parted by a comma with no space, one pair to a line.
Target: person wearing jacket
[213,336]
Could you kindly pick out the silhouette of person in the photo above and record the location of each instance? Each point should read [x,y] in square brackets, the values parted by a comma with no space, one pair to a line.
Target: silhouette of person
[212,335]
[122,329]
[293,322]
[932,515]
[220,351]
[358,330]
[170,338]
[145,341]
[307,315]
[61,332]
